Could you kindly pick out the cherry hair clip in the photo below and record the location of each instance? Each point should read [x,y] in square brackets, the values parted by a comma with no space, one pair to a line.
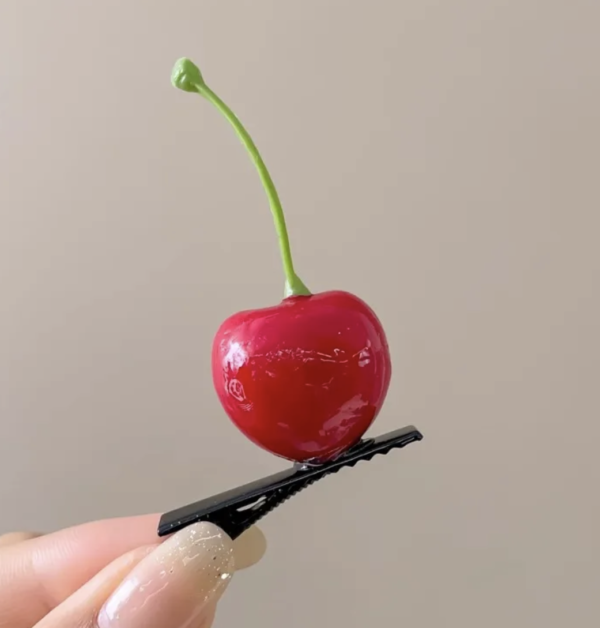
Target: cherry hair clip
[234,511]
[303,379]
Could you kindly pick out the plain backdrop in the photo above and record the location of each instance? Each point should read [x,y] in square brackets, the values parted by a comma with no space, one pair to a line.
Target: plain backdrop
[438,158]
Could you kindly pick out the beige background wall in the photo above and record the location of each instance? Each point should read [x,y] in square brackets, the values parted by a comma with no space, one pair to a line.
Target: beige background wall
[440,159]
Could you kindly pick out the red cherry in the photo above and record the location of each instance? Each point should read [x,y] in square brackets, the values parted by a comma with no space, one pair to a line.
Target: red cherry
[306,378]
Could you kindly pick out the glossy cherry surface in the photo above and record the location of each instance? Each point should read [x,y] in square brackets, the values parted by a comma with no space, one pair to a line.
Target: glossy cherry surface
[304,379]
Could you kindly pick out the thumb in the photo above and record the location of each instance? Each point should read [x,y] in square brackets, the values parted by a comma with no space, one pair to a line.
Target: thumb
[173,585]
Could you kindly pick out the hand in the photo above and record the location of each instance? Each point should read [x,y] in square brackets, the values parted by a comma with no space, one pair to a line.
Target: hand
[117,574]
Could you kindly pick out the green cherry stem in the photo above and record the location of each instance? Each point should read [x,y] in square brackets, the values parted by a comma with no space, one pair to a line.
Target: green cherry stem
[187,77]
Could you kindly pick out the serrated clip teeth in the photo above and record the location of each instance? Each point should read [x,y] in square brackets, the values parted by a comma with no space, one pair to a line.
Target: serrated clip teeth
[236,510]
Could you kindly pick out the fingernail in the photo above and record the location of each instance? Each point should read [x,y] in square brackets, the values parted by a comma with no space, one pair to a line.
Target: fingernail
[175,584]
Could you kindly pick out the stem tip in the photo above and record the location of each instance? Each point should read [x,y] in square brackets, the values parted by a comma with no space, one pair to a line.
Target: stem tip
[186,75]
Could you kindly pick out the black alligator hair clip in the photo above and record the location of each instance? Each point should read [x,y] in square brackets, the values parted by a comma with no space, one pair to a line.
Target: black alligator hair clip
[236,510]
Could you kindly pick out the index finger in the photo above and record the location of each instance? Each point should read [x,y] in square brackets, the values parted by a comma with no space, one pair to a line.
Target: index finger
[41,573]
[11,538]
